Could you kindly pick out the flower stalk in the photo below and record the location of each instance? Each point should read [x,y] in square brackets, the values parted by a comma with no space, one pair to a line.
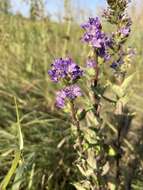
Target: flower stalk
[77,124]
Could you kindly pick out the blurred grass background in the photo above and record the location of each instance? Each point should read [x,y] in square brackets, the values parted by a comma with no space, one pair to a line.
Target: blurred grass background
[27,48]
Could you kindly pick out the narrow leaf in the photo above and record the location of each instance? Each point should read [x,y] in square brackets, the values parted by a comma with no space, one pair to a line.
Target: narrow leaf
[19,127]
[127,82]
[10,173]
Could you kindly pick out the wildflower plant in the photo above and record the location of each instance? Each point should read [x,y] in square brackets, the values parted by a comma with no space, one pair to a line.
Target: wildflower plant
[98,160]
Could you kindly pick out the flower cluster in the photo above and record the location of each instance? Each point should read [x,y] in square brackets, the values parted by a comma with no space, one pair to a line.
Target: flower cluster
[116,14]
[124,29]
[125,59]
[65,69]
[95,37]
[68,93]
[69,72]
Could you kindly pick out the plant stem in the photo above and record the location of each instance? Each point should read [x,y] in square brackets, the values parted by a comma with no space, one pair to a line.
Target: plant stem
[76,123]
[118,158]
[94,84]
[96,68]
[119,113]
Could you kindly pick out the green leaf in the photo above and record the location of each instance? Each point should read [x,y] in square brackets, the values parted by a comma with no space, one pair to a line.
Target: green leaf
[19,127]
[90,71]
[10,173]
[113,128]
[125,99]
[6,135]
[18,177]
[90,136]
[105,169]
[127,82]
[86,173]
[111,152]
[112,186]
[78,186]
[82,115]
[130,146]
[83,172]
[97,149]
[31,177]
[91,160]
[117,90]
[61,143]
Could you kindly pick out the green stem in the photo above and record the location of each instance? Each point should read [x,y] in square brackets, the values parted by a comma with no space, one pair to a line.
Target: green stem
[76,123]
[10,173]
[119,112]
[95,79]
[94,82]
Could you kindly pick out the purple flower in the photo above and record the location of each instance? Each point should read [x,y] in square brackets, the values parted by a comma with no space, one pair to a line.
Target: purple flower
[91,24]
[95,37]
[72,92]
[60,98]
[125,31]
[68,93]
[86,37]
[65,69]
[91,63]
[93,32]
[107,57]
[116,64]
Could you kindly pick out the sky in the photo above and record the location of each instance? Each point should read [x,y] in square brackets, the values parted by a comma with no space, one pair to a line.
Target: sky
[53,7]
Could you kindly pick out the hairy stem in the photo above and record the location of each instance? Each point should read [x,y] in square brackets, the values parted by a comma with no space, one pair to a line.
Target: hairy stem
[76,123]
[96,101]
[94,82]
[96,68]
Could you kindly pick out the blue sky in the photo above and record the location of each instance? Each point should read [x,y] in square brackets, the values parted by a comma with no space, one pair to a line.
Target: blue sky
[53,7]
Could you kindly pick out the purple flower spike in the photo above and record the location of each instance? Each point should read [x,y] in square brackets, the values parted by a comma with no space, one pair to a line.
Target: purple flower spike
[65,69]
[68,93]
[92,23]
[95,37]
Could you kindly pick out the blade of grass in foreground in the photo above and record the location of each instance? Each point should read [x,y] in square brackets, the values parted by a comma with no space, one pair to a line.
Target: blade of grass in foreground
[19,127]
[17,157]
